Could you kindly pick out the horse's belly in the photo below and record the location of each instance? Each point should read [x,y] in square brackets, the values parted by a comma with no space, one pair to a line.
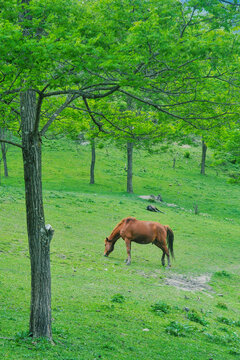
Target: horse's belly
[142,240]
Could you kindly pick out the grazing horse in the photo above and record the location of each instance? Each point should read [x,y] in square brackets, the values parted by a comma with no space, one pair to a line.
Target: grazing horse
[141,232]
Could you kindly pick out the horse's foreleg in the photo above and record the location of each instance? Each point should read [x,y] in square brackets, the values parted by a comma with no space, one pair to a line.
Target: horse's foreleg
[128,247]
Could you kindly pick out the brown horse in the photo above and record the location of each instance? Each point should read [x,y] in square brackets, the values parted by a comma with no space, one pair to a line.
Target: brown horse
[141,232]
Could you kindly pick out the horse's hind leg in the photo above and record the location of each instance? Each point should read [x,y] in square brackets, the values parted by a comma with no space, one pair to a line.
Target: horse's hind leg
[168,259]
[165,252]
[163,259]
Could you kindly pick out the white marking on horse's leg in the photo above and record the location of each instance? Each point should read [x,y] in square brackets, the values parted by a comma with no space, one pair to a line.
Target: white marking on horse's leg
[128,246]
[169,262]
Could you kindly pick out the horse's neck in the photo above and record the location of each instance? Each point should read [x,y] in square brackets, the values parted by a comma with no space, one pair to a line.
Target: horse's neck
[115,235]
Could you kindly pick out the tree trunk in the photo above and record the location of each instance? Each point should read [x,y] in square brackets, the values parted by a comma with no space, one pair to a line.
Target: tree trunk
[129,167]
[4,153]
[204,153]
[38,236]
[174,162]
[92,161]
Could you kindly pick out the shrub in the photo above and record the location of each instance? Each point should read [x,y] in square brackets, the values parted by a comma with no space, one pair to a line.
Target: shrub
[222,273]
[160,307]
[118,298]
[234,180]
[227,321]
[234,352]
[194,316]
[224,329]
[177,329]
[219,339]
[221,306]
[21,335]
[187,154]
[224,320]
[164,148]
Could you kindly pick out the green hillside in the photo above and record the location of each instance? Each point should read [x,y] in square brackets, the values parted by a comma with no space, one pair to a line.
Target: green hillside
[101,308]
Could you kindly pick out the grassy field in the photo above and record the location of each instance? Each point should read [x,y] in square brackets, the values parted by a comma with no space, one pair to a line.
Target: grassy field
[101,308]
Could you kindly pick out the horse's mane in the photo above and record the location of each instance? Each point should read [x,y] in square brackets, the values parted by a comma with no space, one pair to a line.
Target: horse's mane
[127,219]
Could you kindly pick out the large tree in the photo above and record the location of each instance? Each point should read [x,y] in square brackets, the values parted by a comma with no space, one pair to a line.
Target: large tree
[169,55]
[37,65]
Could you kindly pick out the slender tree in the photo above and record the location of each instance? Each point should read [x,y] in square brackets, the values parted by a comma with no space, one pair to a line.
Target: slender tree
[129,167]
[4,152]
[93,159]
[204,153]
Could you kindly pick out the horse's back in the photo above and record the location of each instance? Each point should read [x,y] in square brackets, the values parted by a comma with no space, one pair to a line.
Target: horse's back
[141,231]
[133,223]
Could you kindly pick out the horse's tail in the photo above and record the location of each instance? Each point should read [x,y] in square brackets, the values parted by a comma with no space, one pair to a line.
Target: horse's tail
[170,239]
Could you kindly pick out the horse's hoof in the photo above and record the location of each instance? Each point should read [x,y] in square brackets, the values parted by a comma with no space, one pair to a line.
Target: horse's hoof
[105,255]
[128,263]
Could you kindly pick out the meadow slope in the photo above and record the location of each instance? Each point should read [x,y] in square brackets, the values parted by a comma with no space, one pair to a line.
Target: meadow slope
[101,308]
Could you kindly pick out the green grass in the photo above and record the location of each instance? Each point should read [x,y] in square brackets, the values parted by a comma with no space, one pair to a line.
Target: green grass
[101,308]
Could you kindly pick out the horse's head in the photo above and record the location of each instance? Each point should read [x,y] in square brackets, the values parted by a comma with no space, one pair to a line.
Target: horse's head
[109,247]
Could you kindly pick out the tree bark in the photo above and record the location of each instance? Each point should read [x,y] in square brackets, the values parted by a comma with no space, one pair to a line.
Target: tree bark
[204,153]
[38,236]
[4,153]
[92,162]
[129,167]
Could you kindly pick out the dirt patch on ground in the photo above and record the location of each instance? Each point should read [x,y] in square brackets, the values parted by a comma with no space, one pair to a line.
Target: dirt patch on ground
[189,283]
[183,282]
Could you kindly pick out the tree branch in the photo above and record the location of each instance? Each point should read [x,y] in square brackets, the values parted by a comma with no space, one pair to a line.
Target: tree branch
[186,119]
[188,23]
[228,2]
[11,143]
[3,76]
[12,108]
[8,92]
[100,127]
[85,93]
[57,113]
